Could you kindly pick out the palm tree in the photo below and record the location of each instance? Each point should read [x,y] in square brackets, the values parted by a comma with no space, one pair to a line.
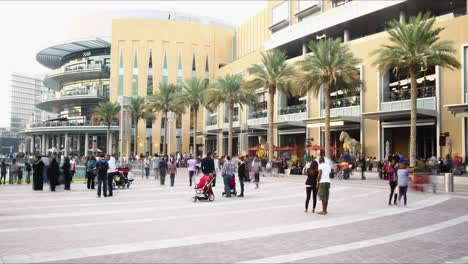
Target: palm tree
[272,74]
[229,89]
[193,95]
[415,46]
[166,99]
[329,67]
[139,112]
[107,113]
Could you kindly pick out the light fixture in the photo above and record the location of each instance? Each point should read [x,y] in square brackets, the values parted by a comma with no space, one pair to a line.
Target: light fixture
[335,123]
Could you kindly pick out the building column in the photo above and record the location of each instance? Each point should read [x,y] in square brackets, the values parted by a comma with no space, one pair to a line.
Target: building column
[47,143]
[57,142]
[66,145]
[78,144]
[43,146]
[402,16]
[346,35]
[304,48]
[31,147]
[86,142]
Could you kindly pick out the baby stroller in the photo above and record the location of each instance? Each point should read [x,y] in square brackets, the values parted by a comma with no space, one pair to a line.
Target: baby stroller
[203,190]
[122,178]
[232,186]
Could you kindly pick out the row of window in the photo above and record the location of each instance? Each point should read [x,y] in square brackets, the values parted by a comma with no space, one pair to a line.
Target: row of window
[165,75]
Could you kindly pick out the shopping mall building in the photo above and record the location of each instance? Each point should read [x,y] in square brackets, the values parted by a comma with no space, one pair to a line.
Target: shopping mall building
[146,52]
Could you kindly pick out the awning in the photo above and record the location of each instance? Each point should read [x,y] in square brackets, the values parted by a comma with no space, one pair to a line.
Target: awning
[289,124]
[460,109]
[398,115]
[334,121]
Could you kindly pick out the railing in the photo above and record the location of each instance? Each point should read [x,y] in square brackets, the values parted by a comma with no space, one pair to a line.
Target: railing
[79,68]
[258,114]
[344,102]
[235,118]
[73,123]
[404,94]
[211,121]
[294,109]
[97,91]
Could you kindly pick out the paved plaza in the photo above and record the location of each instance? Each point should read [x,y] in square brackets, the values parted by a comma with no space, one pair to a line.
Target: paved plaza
[153,223]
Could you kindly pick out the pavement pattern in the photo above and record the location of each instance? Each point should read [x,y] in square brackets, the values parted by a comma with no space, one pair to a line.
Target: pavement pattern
[153,223]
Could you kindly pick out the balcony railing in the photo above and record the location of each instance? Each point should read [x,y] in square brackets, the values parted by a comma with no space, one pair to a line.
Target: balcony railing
[235,118]
[212,122]
[404,94]
[293,109]
[258,114]
[96,91]
[344,102]
[73,123]
[79,68]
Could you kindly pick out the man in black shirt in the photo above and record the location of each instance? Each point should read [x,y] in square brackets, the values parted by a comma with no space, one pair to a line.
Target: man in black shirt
[208,168]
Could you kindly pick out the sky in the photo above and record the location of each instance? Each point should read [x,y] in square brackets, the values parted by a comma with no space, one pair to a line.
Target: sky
[30,26]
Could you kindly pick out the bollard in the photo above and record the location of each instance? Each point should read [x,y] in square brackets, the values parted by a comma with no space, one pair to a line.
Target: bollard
[448,182]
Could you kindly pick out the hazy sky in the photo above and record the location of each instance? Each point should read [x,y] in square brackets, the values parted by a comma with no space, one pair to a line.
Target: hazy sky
[28,27]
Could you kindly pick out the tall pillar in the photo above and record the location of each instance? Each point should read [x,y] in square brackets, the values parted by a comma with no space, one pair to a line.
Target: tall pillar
[47,143]
[402,16]
[66,145]
[78,144]
[43,146]
[304,48]
[346,35]
[57,142]
[110,144]
[31,147]
[86,144]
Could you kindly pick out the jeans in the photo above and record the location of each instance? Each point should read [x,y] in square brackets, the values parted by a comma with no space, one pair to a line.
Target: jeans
[102,181]
[110,180]
[241,183]
[46,177]
[311,190]
[227,188]
[172,179]
[402,191]
[191,173]
[90,179]
[147,172]
[393,185]
[162,176]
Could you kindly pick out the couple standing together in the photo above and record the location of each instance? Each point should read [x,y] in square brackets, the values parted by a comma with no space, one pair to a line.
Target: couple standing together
[318,182]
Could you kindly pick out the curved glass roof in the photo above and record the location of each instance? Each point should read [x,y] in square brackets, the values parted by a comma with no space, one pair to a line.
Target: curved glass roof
[53,57]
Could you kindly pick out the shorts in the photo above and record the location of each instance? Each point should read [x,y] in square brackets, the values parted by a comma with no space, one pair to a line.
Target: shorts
[324,191]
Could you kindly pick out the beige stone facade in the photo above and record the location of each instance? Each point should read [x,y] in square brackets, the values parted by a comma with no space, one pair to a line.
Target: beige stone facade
[374,116]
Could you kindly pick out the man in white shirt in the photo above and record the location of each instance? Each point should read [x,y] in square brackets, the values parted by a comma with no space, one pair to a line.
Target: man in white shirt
[156,166]
[323,183]
[110,173]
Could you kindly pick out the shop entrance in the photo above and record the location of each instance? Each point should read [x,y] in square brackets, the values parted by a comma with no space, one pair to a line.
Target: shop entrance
[399,140]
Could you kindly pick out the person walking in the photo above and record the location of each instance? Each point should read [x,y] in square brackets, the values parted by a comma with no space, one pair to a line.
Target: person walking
[156,166]
[241,172]
[172,171]
[228,172]
[192,168]
[311,186]
[27,167]
[208,167]
[392,181]
[3,172]
[403,176]
[53,173]
[66,167]
[162,170]
[324,184]
[146,164]
[256,171]
[72,168]
[110,174]
[38,170]
[13,171]
[90,172]
[102,166]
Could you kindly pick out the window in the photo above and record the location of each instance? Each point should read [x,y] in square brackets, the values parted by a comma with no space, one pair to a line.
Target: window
[308,7]
[280,13]
[337,3]
[398,87]
[194,66]
[207,70]
[164,69]
[465,73]
[121,76]
[306,4]
[135,76]
[179,71]
[149,84]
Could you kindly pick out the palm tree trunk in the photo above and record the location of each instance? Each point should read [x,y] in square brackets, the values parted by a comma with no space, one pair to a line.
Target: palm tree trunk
[271,101]
[165,134]
[414,97]
[195,120]
[229,112]
[327,122]
[108,139]
[135,146]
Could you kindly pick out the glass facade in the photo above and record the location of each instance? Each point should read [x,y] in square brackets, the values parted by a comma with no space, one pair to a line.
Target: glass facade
[149,84]
[121,76]
[179,71]
[135,75]
[194,66]
[164,69]
[207,70]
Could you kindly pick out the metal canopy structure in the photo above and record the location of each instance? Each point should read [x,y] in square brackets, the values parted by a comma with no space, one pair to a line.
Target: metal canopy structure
[53,57]
[400,114]
[460,109]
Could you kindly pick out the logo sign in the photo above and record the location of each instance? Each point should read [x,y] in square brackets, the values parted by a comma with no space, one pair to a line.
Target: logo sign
[86,53]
